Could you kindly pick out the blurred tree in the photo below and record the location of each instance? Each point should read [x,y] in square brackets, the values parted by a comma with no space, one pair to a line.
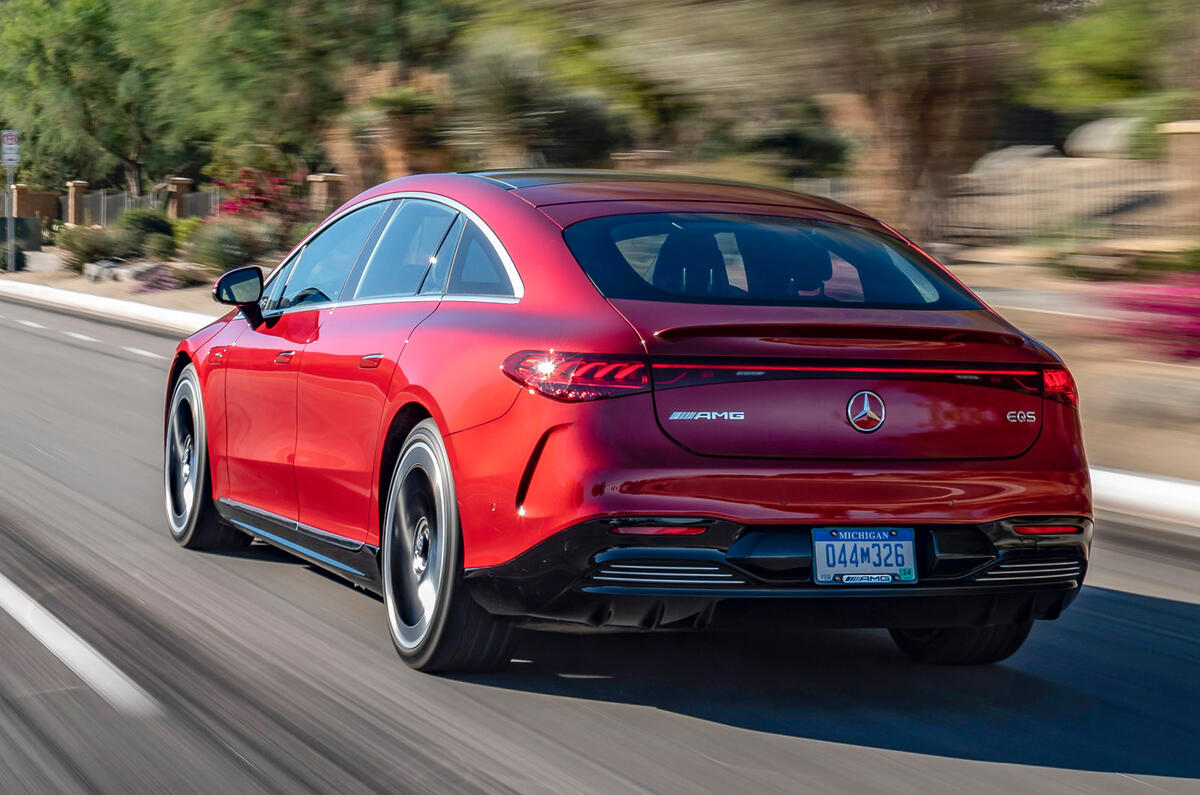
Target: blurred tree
[67,78]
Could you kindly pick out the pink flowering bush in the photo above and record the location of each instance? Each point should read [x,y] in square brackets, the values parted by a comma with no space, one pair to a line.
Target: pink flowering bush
[1169,314]
[257,194]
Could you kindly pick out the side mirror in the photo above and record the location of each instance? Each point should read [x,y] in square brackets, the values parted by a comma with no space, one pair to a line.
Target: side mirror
[239,287]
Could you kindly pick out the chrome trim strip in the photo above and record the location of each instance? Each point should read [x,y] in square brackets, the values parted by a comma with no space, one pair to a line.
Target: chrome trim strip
[668,582]
[510,267]
[663,568]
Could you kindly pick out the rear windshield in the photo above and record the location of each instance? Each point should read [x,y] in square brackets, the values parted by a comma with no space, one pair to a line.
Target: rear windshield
[756,259]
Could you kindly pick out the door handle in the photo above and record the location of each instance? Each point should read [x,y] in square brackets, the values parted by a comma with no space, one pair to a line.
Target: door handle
[370,361]
[284,357]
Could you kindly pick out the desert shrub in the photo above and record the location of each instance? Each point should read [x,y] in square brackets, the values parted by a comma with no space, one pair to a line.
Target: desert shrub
[20,258]
[146,222]
[124,242]
[81,245]
[183,229]
[160,246]
[221,245]
[84,244]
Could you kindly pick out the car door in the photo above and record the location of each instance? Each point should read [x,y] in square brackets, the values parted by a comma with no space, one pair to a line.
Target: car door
[262,365]
[347,370]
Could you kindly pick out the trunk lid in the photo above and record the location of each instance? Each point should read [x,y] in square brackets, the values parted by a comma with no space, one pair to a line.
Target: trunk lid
[841,383]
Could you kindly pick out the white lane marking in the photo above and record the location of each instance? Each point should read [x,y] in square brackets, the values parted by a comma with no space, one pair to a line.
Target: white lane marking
[101,675]
[75,335]
[30,323]
[140,352]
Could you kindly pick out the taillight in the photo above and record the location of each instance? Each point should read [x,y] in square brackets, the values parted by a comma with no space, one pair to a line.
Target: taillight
[1046,529]
[575,377]
[1057,384]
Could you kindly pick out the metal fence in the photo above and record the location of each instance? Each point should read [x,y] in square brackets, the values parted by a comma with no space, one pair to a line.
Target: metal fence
[1048,198]
[104,207]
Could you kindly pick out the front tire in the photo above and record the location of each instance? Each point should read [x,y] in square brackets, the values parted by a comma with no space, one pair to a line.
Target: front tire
[435,624]
[191,516]
[962,645]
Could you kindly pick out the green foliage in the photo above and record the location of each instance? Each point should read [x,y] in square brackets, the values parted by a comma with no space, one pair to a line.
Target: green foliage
[183,229]
[159,246]
[1105,54]
[146,222]
[299,232]
[227,243]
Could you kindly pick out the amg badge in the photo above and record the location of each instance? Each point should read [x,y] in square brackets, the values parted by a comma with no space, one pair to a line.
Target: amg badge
[707,415]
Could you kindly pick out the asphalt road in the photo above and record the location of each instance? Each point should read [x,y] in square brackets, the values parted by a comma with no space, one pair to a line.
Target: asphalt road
[259,673]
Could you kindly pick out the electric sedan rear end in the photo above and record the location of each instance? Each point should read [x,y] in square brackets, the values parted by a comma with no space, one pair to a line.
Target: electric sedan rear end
[635,402]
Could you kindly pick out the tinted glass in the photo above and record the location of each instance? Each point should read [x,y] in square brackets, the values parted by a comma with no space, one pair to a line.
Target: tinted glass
[477,267]
[753,259]
[435,279]
[406,250]
[318,276]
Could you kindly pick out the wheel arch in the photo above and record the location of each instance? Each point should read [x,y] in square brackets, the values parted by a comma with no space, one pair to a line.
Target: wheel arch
[401,424]
[181,360]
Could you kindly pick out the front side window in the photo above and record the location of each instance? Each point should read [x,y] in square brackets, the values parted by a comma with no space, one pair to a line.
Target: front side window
[477,267]
[407,249]
[323,265]
[757,259]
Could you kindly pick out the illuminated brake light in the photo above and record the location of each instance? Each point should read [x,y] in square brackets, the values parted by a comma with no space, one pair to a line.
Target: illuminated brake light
[1057,384]
[575,377]
[648,530]
[1046,529]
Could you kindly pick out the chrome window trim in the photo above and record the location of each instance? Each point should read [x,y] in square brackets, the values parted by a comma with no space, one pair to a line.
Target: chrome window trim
[510,268]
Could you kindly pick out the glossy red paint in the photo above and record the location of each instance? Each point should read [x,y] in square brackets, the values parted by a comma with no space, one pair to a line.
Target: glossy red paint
[306,439]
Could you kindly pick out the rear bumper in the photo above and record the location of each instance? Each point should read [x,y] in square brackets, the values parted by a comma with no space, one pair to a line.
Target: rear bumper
[967,576]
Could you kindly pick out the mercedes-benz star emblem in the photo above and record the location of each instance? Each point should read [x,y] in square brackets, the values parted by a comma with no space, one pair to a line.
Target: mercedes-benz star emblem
[865,411]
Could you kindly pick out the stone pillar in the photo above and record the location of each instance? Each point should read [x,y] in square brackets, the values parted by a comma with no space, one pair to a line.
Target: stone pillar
[20,200]
[176,188]
[325,192]
[1183,154]
[76,188]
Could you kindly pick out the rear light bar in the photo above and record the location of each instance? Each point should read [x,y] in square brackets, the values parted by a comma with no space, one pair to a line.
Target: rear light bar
[576,377]
[1057,384]
[654,530]
[1046,529]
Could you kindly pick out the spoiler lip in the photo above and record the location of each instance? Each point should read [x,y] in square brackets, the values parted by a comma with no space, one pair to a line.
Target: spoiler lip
[785,331]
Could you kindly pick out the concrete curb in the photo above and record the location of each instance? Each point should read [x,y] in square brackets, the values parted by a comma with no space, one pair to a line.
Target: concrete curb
[168,322]
[1126,493]
[1143,496]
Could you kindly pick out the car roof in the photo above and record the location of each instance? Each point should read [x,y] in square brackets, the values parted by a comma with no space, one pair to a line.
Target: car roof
[545,187]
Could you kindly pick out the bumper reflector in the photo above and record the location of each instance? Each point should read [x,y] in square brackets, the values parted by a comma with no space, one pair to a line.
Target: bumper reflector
[1046,529]
[656,530]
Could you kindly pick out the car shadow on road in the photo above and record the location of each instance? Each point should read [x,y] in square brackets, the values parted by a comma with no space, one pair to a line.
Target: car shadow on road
[1110,687]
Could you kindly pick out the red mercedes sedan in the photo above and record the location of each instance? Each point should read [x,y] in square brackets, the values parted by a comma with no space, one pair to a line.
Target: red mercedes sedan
[632,401]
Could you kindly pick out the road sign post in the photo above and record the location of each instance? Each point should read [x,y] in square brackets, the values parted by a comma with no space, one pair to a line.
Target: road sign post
[10,158]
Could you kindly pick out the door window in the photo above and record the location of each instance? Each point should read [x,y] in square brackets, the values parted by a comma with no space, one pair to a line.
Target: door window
[435,280]
[407,249]
[319,274]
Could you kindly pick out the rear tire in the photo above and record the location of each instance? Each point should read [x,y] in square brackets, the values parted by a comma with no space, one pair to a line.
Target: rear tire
[962,645]
[435,624]
[191,516]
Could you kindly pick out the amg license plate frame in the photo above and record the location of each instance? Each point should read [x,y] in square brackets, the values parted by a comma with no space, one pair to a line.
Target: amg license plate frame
[864,556]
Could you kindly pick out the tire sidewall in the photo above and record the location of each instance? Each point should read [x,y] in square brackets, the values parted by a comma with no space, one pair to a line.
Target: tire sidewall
[419,655]
[188,385]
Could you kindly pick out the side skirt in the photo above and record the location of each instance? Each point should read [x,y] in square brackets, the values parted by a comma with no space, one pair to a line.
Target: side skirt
[351,560]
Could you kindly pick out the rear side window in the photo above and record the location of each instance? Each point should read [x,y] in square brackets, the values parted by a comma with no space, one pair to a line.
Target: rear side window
[477,267]
[756,259]
[406,249]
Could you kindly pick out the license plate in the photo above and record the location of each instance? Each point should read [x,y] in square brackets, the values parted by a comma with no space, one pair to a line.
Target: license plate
[863,555]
